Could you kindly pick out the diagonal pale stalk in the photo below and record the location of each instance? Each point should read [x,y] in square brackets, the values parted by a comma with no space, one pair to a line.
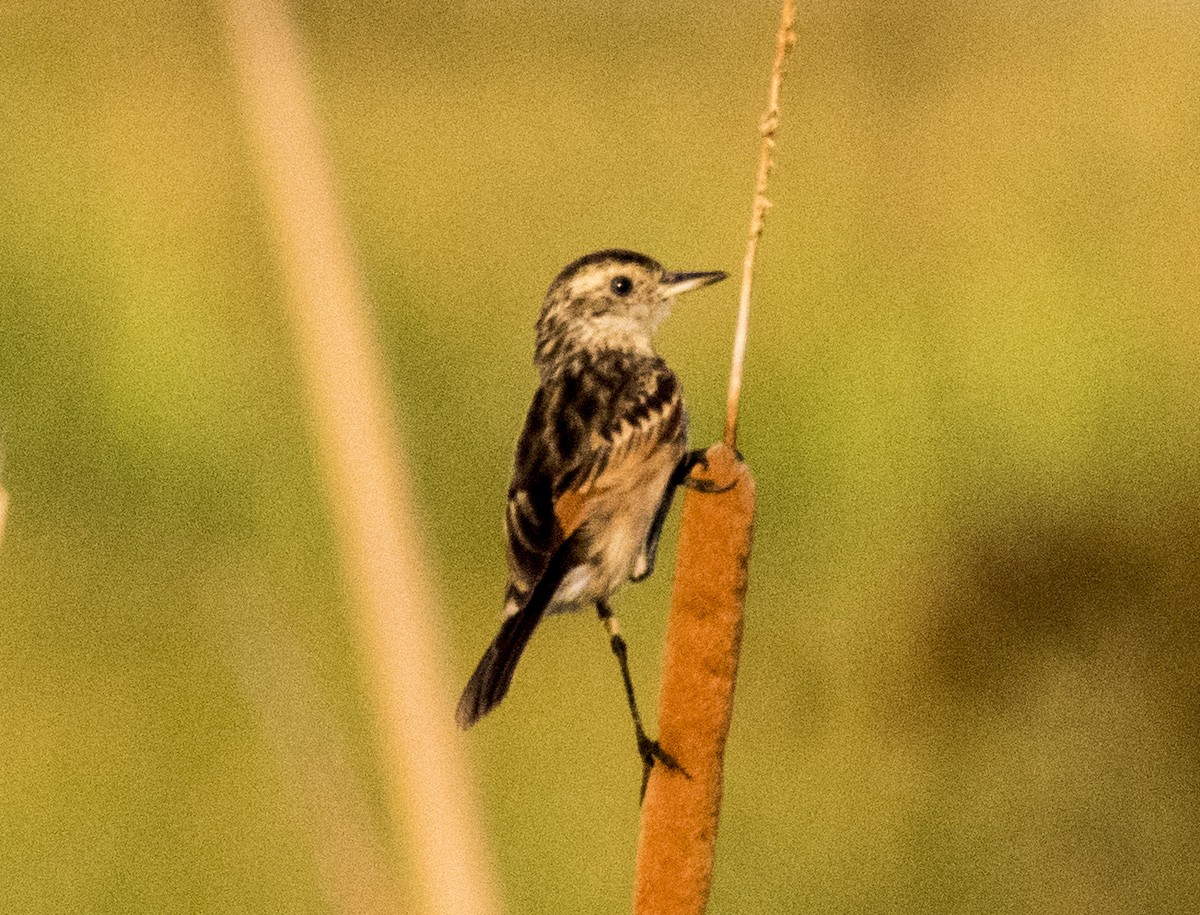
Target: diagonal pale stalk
[429,794]
[681,812]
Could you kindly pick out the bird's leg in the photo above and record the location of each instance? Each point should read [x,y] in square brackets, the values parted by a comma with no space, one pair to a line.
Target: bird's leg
[650,551]
[649,750]
[682,475]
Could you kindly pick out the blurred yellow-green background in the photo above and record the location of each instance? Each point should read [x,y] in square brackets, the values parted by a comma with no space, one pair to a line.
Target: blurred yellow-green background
[970,673]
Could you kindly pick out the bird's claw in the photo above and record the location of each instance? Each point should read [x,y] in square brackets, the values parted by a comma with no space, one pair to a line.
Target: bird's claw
[652,752]
[707,486]
[700,459]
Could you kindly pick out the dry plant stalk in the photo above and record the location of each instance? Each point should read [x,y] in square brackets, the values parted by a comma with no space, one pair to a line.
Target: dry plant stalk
[429,794]
[704,632]
[767,127]
[3,512]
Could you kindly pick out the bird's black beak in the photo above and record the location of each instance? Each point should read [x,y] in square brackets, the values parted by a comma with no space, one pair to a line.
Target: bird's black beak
[672,284]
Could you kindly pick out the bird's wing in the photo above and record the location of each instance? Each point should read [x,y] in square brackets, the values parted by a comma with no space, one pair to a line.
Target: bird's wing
[586,433]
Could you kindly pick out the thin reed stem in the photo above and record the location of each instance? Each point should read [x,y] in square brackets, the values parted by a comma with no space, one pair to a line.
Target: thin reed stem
[767,127]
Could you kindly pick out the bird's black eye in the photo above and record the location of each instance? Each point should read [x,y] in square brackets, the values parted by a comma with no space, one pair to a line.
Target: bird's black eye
[621,285]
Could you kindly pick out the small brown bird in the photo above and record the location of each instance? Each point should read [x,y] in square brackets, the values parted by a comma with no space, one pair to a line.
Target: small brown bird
[603,449]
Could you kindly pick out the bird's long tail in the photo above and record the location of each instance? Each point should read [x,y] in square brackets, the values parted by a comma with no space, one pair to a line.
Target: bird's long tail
[494,672]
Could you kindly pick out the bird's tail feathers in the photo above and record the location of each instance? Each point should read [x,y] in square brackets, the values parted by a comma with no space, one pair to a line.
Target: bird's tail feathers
[494,672]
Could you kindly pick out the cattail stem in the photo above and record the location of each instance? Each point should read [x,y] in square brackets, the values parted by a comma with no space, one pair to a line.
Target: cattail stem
[767,127]
[704,634]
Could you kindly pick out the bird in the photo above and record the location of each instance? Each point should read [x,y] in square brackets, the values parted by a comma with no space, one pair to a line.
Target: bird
[598,461]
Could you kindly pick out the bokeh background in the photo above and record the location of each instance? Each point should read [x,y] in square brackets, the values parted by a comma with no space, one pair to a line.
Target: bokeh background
[970,673]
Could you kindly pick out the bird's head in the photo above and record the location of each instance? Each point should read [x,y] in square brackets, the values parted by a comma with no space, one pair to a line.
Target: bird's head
[609,300]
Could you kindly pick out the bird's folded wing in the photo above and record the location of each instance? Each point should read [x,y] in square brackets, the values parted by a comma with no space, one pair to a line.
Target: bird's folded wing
[585,434]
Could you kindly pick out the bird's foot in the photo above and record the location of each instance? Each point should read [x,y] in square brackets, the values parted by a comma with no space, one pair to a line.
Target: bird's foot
[651,753]
[707,486]
[700,459]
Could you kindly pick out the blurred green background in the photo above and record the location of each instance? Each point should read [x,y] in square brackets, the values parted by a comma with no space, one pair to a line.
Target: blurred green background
[970,673]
